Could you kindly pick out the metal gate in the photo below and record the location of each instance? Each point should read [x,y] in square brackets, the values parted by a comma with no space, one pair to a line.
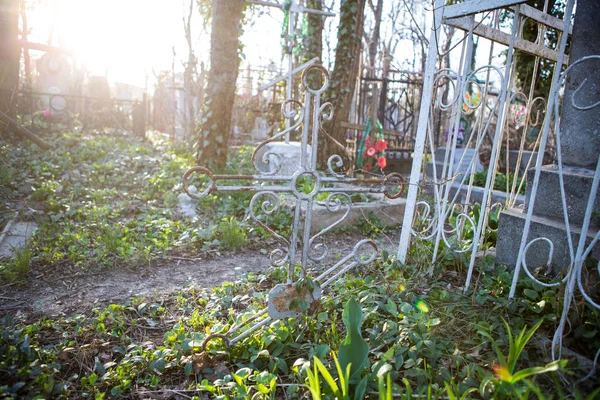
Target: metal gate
[398,95]
[495,121]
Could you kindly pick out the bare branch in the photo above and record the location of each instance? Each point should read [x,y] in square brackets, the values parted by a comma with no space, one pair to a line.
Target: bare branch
[422,36]
[372,6]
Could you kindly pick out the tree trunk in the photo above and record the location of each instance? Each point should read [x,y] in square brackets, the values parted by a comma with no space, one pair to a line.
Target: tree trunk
[313,41]
[24,33]
[215,126]
[9,54]
[345,72]
[385,71]
[374,40]
[189,80]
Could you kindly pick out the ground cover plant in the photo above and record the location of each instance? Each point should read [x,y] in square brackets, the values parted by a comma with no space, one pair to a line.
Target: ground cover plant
[110,202]
[500,183]
[423,336]
[107,202]
[383,331]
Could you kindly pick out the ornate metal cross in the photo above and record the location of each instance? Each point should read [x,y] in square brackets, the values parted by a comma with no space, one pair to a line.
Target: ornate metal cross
[299,296]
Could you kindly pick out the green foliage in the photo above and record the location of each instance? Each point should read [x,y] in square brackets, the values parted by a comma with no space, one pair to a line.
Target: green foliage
[103,201]
[343,391]
[7,186]
[385,386]
[354,350]
[314,385]
[505,369]
[112,201]
[114,212]
[17,268]
[371,225]
[500,182]
[238,385]
[231,234]
[124,350]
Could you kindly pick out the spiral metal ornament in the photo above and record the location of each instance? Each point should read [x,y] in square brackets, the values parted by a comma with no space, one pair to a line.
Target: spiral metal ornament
[324,76]
[457,229]
[425,218]
[446,79]
[271,190]
[339,163]
[539,115]
[333,204]
[269,206]
[325,112]
[274,160]
[201,171]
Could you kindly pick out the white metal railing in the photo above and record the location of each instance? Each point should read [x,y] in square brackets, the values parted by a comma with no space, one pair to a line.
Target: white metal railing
[500,113]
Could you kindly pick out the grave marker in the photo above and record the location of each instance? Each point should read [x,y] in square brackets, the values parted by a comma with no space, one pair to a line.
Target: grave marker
[299,295]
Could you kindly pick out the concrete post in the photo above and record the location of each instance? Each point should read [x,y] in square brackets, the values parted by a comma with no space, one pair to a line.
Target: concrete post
[580,148]
[580,130]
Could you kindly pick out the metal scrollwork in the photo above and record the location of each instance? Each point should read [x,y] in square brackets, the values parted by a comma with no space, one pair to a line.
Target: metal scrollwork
[539,112]
[270,205]
[333,204]
[582,84]
[338,163]
[446,78]
[424,218]
[271,158]
[271,189]
[202,171]
[548,262]
[458,229]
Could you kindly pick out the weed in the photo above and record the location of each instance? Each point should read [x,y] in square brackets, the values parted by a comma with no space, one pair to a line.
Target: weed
[500,183]
[371,225]
[439,353]
[232,234]
[505,372]
[18,267]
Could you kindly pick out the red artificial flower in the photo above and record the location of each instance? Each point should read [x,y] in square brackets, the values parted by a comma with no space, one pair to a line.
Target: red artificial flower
[371,151]
[368,141]
[368,167]
[382,162]
[381,145]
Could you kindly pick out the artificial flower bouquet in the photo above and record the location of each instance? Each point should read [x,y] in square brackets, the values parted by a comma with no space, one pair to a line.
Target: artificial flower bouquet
[371,152]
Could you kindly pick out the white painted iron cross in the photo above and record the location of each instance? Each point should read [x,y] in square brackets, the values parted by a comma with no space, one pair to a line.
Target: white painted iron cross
[299,295]
[294,9]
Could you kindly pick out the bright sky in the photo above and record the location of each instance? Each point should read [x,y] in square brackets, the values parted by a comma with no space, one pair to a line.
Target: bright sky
[128,39]
[131,38]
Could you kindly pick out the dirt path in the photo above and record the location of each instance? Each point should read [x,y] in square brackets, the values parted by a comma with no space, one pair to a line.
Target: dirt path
[69,294]
[78,293]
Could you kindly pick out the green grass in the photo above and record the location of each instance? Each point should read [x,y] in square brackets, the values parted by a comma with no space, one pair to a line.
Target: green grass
[232,234]
[17,268]
[426,336]
[112,201]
